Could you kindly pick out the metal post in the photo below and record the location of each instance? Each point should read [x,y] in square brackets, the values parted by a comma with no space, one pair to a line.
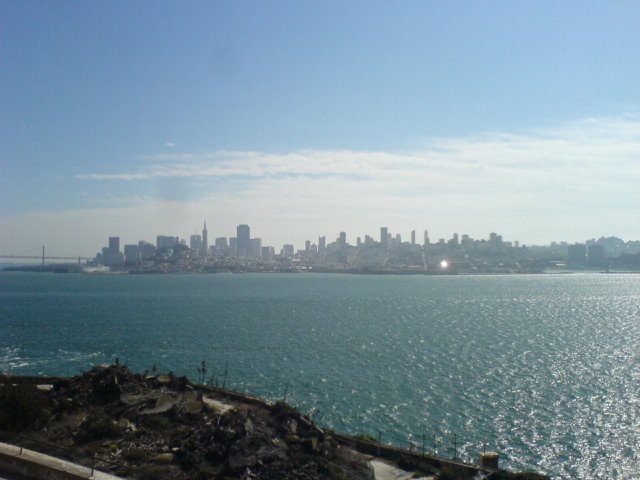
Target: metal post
[379,440]
[224,382]
[455,446]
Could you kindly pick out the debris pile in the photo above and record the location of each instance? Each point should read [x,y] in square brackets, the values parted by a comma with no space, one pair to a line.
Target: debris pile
[163,426]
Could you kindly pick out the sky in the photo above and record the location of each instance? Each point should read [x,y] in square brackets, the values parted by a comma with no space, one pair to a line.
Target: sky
[301,118]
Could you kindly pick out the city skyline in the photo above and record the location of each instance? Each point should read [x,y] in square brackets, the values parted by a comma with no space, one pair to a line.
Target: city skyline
[416,236]
[384,237]
[386,253]
[294,119]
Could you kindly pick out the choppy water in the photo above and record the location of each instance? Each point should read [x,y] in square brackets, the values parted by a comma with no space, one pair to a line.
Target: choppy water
[544,369]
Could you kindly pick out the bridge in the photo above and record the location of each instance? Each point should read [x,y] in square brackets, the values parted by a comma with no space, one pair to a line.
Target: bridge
[31,255]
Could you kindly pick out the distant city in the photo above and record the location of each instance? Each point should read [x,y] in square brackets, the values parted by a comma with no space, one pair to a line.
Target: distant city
[385,253]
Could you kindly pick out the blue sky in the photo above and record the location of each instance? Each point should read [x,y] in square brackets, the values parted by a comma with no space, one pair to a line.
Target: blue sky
[306,118]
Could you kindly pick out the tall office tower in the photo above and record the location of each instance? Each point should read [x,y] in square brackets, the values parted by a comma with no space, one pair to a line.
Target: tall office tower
[114,245]
[147,250]
[287,250]
[195,243]
[307,246]
[322,244]
[384,236]
[221,242]
[455,239]
[132,254]
[398,239]
[466,241]
[268,253]
[205,240]
[243,234]
[255,247]
[413,237]
[342,240]
[359,242]
[163,241]
[426,238]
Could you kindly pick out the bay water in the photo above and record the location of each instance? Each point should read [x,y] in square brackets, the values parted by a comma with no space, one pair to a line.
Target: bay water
[544,369]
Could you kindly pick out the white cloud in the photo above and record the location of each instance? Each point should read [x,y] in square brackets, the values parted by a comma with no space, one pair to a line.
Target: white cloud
[568,181]
[170,145]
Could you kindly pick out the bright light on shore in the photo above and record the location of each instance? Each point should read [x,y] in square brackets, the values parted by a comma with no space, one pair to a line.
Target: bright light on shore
[444,264]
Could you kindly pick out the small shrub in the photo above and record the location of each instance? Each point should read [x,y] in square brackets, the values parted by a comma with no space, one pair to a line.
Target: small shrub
[135,454]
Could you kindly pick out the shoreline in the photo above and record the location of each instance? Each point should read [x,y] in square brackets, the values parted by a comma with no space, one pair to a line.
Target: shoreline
[75,269]
[131,401]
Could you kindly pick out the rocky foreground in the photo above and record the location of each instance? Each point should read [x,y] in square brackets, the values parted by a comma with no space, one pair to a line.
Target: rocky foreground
[162,426]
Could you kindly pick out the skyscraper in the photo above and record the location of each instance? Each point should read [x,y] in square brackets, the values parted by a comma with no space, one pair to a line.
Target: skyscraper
[114,245]
[342,240]
[195,242]
[255,247]
[205,241]
[384,238]
[413,237]
[243,234]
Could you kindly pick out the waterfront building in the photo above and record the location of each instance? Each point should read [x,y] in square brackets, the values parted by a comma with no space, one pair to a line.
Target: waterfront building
[595,254]
[413,237]
[342,240]
[322,244]
[268,253]
[132,254]
[425,241]
[243,233]
[577,254]
[307,246]
[384,237]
